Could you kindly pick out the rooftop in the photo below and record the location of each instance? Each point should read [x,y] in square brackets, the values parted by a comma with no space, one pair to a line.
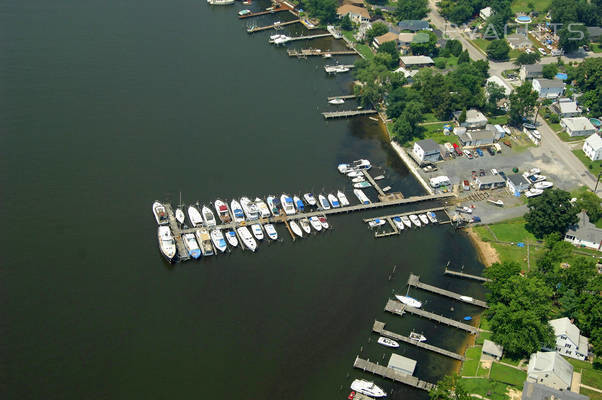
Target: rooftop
[490,347]
[566,107]
[536,391]
[533,67]
[429,146]
[406,37]
[551,362]
[518,180]
[350,8]
[387,37]
[413,25]
[578,124]
[484,180]
[415,60]
[564,326]
[585,230]
[550,83]
[595,141]
[401,363]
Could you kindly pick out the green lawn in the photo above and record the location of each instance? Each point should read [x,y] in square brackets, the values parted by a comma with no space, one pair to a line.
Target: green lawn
[500,119]
[510,361]
[591,394]
[484,233]
[482,336]
[430,117]
[522,5]
[596,47]
[512,230]
[589,375]
[481,44]
[596,166]
[486,388]
[365,50]
[509,375]
[469,368]
[435,132]
[565,136]
[485,324]
[348,35]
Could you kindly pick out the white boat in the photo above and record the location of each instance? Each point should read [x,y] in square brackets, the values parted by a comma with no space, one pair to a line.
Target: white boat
[467,298]
[432,217]
[281,40]
[180,217]
[334,201]
[537,178]
[406,221]
[415,220]
[379,177]
[315,223]
[342,199]
[387,342]
[386,188]
[217,237]
[417,336]
[257,231]
[499,203]
[355,174]
[368,388]
[298,204]
[244,12]
[323,222]
[310,199]
[361,185]
[304,222]
[533,192]
[271,231]
[376,222]
[295,228]
[464,209]
[208,217]
[250,209]
[222,211]
[167,244]
[358,179]
[336,101]
[398,223]
[263,208]
[160,213]
[204,239]
[287,204]
[535,171]
[237,211]
[323,202]
[194,216]
[272,204]
[543,185]
[191,245]
[247,238]
[356,165]
[409,301]
[423,218]
[220,2]
[231,237]
[361,196]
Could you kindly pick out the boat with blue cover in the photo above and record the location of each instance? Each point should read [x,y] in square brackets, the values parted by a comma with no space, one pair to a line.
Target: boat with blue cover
[217,237]
[299,204]
[191,245]
[287,204]
[237,212]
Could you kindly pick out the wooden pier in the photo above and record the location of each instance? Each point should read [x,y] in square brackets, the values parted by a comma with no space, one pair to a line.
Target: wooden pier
[390,373]
[274,26]
[464,275]
[308,37]
[373,183]
[318,52]
[379,327]
[414,280]
[396,307]
[344,97]
[265,12]
[175,229]
[347,114]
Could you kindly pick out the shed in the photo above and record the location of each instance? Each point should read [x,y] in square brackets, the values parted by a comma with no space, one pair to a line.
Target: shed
[517,184]
[492,349]
[402,364]
[416,61]
[490,182]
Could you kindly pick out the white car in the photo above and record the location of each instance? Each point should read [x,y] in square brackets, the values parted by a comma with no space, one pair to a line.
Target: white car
[542,51]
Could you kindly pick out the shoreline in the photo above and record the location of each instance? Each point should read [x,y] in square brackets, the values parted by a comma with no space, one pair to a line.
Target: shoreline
[486,253]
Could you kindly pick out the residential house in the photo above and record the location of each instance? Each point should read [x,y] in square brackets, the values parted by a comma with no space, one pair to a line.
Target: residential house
[427,150]
[595,32]
[474,138]
[566,108]
[489,182]
[413,25]
[387,37]
[363,28]
[584,233]
[531,71]
[592,147]
[405,40]
[474,119]
[518,41]
[517,184]
[569,341]
[416,61]
[548,88]
[577,126]
[535,391]
[402,364]
[550,369]
[357,14]
[485,13]
[408,73]
[491,350]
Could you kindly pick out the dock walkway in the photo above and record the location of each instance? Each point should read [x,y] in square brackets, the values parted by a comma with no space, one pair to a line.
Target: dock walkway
[379,327]
[318,52]
[390,373]
[175,229]
[373,183]
[344,97]
[347,114]
[414,280]
[396,307]
[257,14]
[308,37]
[464,275]
[274,26]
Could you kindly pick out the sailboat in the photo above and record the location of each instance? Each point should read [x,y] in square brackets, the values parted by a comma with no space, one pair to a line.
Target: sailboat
[180,217]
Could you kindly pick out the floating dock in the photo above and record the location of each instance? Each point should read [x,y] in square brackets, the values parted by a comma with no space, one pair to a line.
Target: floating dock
[414,280]
[464,275]
[396,307]
[347,114]
[379,327]
[265,12]
[274,26]
[308,37]
[390,373]
[175,229]
[344,97]
[318,52]
[396,231]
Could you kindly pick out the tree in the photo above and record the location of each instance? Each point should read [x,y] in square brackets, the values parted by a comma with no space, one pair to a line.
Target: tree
[571,36]
[522,103]
[454,47]
[462,117]
[424,43]
[589,202]
[411,9]
[496,93]
[498,50]
[464,57]
[450,387]
[406,126]
[346,23]
[391,49]
[440,62]
[596,340]
[549,71]
[550,212]
[324,10]
[527,58]
[375,30]
[499,273]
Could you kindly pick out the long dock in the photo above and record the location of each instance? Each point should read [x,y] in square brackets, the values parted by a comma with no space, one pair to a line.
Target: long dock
[373,182]
[308,37]
[390,373]
[175,229]
[464,275]
[344,97]
[265,12]
[396,231]
[414,280]
[396,307]
[347,114]
[379,327]
[274,26]
[318,52]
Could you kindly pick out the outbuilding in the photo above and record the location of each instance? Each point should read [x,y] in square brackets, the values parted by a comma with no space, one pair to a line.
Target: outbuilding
[491,351]
[416,61]
[490,182]
[402,364]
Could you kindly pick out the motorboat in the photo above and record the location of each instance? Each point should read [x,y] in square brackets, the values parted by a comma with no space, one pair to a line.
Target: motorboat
[298,204]
[361,185]
[160,213]
[274,209]
[208,217]
[295,228]
[287,203]
[536,178]
[358,179]
[387,342]
[237,211]
[423,218]
[323,202]
[315,223]
[467,318]
[194,216]
[415,220]
[247,238]
[180,217]
[386,188]
[368,388]
[191,245]
[167,244]
[217,237]
[356,165]
[406,221]
[376,222]
[464,209]
[304,222]
[467,298]
[432,217]
[257,231]
[231,237]
[498,203]
[534,171]
[409,301]
[250,209]
[379,177]
[334,201]
[342,199]
[355,174]
[361,196]
[336,101]
[398,223]
[204,239]
[264,211]
[281,40]
[310,199]
[220,2]
[533,192]
[417,336]
[324,222]
[244,12]
[222,211]
[543,185]
[271,231]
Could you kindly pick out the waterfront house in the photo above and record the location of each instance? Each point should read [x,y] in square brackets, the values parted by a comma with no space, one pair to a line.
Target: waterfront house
[402,364]
[550,369]
[535,391]
[413,25]
[517,184]
[416,61]
[584,233]
[356,14]
[427,150]
[592,147]
[577,126]
[531,71]
[491,350]
[408,73]
[474,119]
[387,37]
[569,341]
[489,182]
[548,88]
[485,13]
[566,108]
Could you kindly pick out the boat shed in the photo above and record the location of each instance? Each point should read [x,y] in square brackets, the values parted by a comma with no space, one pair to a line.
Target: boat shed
[402,364]
[490,182]
[491,351]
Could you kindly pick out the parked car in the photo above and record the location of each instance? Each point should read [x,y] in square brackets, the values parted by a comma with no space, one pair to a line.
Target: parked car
[481,172]
[466,185]
[479,152]
[493,171]
[457,148]
[491,151]
[468,154]
[542,51]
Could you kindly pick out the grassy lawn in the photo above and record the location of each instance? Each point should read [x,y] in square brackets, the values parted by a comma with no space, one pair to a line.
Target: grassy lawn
[514,53]
[517,254]
[565,136]
[348,35]
[512,230]
[469,368]
[435,132]
[498,120]
[481,44]
[486,388]
[522,5]
[589,376]
[365,50]
[430,117]
[485,324]
[591,394]
[596,166]
[505,374]
[483,336]
[510,361]
[596,47]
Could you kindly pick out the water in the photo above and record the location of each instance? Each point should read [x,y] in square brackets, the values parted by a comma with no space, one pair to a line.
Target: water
[107,106]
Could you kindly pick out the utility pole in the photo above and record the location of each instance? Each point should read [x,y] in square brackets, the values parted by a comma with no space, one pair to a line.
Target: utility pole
[597,181]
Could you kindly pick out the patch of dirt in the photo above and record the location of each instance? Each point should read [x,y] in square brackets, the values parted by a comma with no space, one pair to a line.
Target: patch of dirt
[514,394]
[487,254]
[486,364]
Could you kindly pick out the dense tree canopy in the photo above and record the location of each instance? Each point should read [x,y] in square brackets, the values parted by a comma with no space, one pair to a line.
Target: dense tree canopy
[495,93]
[424,43]
[377,29]
[522,103]
[498,50]
[391,49]
[551,212]
[450,387]
[324,10]
[589,81]
[567,11]
[590,202]
[571,36]
[411,9]
[527,58]
[346,23]
[454,47]
[549,71]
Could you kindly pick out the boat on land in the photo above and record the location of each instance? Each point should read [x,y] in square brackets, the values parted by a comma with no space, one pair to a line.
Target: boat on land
[423,219]
[417,336]
[398,223]
[274,209]
[231,237]
[271,231]
[323,202]
[342,199]
[167,244]
[264,211]
[355,174]
[376,222]
[499,203]
[336,101]
[222,211]
[160,213]
[324,222]
[406,221]
[304,222]
[191,245]
[217,237]
[310,199]
[204,240]
[295,228]
[247,238]
[387,342]
[315,223]
[362,185]
[208,217]
[409,301]
[194,216]
[464,209]
[432,217]
[368,388]
[543,185]
[298,204]
[358,179]
[257,231]
[533,192]
[237,211]
[334,201]
[361,196]
[250,209]
[287,203]
[180,217]
[354,166]
[415,220]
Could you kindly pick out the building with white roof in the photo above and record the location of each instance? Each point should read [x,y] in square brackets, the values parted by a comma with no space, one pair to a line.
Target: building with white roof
[592,147]
[486,12]
[550,369]
[569,341]
[416,61]
[577,126]
[548,88]
[566,108]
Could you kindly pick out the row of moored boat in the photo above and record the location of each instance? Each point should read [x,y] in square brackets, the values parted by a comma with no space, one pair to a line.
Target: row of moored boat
[407,221]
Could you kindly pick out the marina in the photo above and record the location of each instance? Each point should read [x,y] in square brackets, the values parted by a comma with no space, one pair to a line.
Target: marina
[395,307]
[414,280]
[390,373]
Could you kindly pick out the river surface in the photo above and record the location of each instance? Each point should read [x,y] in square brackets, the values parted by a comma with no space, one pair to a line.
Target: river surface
[106,106]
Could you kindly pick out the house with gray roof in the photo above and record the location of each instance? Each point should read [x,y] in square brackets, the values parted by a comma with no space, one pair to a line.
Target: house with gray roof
[531,71]
[578,126]
[489,182]
[413,25]
[566,108]
[517,184]
[474,119]
[550,369]
[481,137]
[569,341]
[426,150]
[548,88]
[535,391]
[584,233]
[491,350]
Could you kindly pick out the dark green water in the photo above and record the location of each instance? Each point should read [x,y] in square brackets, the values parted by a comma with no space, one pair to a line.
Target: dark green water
[107,106]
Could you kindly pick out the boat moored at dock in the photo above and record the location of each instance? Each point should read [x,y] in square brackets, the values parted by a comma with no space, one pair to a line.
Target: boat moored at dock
[415,220]
[222,211]
[264,211]
[361,196]
[409,301]
[250,209]
[208,217]
[159,213]
[417,336]
[406,221]
[194,216]
[332,199]
[310,199]
[274,208]
[315,223]
[323,202]
[231,237]
[342,199]
[324,222]
[432,217]
[398,223]
[299,204]
[167,244]
[237,211]
[376,222]
[387,342]
[257,231]
[191,245]
[296,229]
[287,204]
[362,185]
[271,231]
[423,219]
[304,222]
[204,240]
[368,388]
[180,217]
[217,237]
[247,238]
